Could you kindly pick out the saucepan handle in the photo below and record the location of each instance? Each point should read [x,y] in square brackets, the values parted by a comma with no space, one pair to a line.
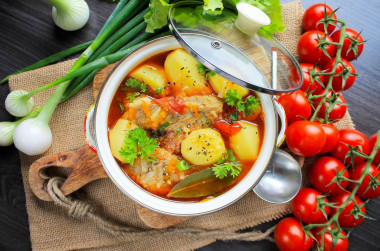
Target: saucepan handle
[87,132]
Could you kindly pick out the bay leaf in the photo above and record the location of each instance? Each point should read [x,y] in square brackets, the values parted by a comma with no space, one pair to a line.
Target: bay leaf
[199,184]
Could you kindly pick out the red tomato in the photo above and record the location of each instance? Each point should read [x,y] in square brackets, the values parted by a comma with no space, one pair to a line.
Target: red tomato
[307,84]
[314,14]
[296,106]
[308,51]
[304,206]
[346,219]
[341,244]
[173,104]
[332,137]
[289,236]
[337,82]
[349,55]
[226,128]
[353,138]
[337,112]
[323,171]
[305,138]
[372,142]
[362,192]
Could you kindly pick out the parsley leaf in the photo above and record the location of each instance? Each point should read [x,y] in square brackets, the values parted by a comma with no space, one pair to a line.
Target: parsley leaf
[138,144]
[201,68]
[234,117]
[250,104]
[135,84]
[247,107]
[205,71]
[132,96]
[227,165]
[209,73]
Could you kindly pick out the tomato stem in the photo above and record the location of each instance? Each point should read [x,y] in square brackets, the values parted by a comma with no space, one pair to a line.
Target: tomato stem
[332,73]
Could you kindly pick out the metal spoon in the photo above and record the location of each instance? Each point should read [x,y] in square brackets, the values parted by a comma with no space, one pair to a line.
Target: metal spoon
[282,179]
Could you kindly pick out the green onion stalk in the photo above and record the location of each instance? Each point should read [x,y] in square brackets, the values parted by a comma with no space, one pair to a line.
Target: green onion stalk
[33,136]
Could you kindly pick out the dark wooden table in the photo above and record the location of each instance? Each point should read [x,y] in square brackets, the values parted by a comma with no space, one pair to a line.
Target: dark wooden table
[28,34]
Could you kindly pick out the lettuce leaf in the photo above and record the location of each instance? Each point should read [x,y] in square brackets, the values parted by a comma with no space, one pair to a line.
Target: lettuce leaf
[158,13]
[215,6]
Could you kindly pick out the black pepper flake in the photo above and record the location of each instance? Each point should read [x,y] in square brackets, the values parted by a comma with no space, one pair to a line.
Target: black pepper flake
[190,148]
[182,68]
[188,71]
[174,83]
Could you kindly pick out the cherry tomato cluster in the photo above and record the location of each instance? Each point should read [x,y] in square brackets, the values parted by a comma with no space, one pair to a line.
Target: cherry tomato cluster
[332,178]
[313,109]
[341,178]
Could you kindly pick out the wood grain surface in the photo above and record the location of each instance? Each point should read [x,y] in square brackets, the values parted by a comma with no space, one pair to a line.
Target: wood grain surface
[28,34]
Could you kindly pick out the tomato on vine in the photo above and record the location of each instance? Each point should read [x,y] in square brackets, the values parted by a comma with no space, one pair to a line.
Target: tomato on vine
[314,14]
[290,236]
[332,137]
[338,111]
[323,171]
[353,138]
[372,142]
[308,48]
[364,192]
[346,52]
[337,83]
[305,206]
[340,245]
[296,106]
[305,138]
[347,217]
[307,85]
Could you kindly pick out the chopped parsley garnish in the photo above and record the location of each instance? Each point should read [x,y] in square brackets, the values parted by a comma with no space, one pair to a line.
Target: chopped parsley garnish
[234,117]
[209,73]
[138,144]
[247,107]
[132,96]
[135,84]
[201,68]
[227,165]
[204,71]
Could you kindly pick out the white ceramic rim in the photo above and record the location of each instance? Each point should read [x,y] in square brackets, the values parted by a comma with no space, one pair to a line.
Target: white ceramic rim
[137,193]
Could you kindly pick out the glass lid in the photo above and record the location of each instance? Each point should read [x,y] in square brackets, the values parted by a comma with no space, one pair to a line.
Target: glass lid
[226,43]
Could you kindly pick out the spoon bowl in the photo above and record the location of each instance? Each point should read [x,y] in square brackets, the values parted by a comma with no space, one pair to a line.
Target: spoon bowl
[282,179]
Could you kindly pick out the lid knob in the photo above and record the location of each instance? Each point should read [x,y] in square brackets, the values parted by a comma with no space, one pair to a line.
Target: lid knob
[250,18]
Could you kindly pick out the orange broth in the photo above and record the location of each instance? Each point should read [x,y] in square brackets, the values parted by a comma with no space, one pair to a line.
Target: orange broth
[116,113]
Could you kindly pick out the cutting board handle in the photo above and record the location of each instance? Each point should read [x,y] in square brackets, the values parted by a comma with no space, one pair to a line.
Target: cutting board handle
[85,166]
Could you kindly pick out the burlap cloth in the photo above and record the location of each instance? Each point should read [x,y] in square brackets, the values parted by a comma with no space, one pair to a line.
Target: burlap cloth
[52,229]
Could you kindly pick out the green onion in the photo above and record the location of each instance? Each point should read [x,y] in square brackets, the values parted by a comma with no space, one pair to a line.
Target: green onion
[51,59]
[29,130]
[163,125]
[183,165]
